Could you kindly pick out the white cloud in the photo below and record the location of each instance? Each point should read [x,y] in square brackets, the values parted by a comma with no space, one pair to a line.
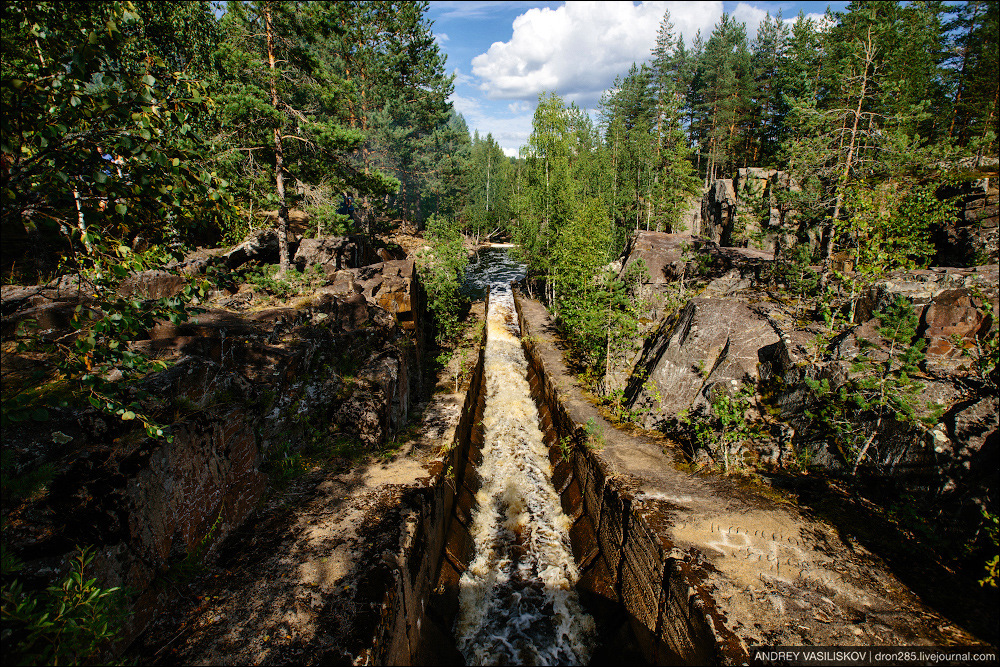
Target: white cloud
[519,106]
[751,16]
[441,37]
[466,106]
[822,24]
[579,48]
[462,79]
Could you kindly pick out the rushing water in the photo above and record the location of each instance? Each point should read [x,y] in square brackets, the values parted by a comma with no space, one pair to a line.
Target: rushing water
[517,602]
[492,267]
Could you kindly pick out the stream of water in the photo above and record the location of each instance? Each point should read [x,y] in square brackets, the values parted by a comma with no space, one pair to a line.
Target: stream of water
[517,601]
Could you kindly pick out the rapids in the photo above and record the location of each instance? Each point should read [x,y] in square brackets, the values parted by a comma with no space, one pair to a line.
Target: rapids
[517,601]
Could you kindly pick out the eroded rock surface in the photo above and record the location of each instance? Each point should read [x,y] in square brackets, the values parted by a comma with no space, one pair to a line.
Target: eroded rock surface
[248,387]
[708,343]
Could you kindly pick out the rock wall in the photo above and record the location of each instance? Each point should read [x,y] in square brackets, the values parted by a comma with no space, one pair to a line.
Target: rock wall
[243,391]
[971,238]
[718,210]
[623,557]
[731,207]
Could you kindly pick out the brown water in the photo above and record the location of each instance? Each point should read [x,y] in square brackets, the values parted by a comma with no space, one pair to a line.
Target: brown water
[517,602]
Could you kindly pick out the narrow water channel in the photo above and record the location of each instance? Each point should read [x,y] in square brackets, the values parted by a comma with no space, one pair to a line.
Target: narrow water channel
[517,601]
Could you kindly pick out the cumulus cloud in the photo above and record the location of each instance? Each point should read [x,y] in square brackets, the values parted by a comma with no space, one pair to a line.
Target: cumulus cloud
[462,79]
[467,106]
[441,37]
[519,106]
[579,48]
[751,16]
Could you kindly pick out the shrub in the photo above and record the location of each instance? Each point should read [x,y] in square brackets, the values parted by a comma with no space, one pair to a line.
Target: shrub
[442,269]
[67,623]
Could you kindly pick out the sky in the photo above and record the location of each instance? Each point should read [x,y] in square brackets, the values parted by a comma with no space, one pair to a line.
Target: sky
[503,54]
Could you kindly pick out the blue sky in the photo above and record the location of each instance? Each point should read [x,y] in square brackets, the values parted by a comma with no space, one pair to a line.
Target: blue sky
[505,53]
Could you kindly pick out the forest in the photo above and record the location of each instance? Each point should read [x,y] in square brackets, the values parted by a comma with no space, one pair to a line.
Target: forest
[138,133]
[155,127]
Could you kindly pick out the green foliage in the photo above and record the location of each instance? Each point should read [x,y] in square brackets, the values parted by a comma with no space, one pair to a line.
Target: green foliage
[488,177]
[991,524]
[725,431]
[890,224]
[95,360]
[285,463]
[986,348]
[66,624]
[796,276]
[594,433]
[581,249]
[325,220]
[441,270]
[566,446]
[293,282]
[95,142]
[879,390]
[193,562]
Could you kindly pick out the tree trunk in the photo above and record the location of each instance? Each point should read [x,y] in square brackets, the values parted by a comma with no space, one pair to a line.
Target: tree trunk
[279,155]
[829,233]
[81,223]
[961,74]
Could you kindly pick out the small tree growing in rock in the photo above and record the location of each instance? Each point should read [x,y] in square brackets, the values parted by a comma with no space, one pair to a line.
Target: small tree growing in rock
[879,390]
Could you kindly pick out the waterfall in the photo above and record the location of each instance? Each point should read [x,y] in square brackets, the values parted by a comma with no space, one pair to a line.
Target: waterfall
[517,602]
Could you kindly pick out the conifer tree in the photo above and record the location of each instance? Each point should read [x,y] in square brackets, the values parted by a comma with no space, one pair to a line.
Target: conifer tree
[768,49]
[277,102]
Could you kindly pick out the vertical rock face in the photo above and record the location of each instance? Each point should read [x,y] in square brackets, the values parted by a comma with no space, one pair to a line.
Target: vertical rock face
[392,285]
[334,253]
[718,210]
[972,237]
[745,210]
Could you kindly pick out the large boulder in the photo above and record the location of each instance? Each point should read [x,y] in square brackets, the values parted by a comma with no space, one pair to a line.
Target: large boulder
[953,321]
[663,255]
[392,285]
[710,344]
[334,253]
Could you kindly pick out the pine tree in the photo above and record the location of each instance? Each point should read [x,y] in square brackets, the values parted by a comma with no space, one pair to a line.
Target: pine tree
[768,51]
[277,102]
[973,118]
[673,177]
[723,86]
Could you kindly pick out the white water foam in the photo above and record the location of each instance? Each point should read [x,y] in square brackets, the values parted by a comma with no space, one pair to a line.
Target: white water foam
[517,603]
